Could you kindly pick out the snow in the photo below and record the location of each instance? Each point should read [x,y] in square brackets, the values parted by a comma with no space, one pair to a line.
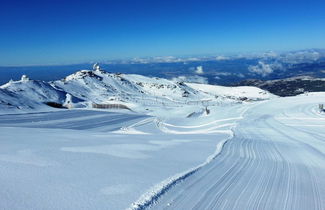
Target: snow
[252,151]
[69,160]
[88,87]
[269,164]
[244,91]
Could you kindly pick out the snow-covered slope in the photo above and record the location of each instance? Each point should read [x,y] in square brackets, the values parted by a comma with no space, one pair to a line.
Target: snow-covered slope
[263,155]
[275,160]
[95,86]
[28,94]
[192,146]
[102,87]
[134,91]
[243,92]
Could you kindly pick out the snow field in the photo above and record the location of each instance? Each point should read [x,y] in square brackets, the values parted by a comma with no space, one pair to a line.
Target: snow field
[82,159]
[269,164]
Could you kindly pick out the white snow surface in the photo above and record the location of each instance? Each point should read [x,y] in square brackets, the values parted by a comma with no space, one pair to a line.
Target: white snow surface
[76,159]
[26,95]
[247,153]
[243,91]
[276,160]
[135,91]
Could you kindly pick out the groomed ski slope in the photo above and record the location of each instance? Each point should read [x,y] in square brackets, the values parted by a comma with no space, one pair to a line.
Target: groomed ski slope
[258,155]
[87,159]
[276,160]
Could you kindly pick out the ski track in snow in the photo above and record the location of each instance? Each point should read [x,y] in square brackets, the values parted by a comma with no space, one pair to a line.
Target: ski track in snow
[273,158]
[155,193]
[268,164]
[90,120]
[68,150]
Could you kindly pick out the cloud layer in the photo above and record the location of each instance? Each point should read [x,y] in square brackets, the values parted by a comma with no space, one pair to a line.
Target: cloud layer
[265,69]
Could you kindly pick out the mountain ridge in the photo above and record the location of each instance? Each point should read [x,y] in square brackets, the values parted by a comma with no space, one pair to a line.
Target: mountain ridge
[87,87]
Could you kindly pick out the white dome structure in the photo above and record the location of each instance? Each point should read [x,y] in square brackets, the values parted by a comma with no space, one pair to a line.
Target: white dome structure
[24,78]
[96,67]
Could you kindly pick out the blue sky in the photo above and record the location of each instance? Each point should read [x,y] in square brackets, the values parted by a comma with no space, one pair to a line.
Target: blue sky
[67,31]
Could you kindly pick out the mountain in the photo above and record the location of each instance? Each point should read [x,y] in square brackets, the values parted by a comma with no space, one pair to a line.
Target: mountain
[290,86]
[28,94]
[137,92]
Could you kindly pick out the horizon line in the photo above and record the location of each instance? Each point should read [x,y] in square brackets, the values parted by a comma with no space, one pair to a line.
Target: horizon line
[201,55]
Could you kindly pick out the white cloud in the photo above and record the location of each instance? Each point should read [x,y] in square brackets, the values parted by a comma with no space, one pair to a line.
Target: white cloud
[192,79]
[221,58]
[300,57]
[223,73]
[264,69]
[199,70]
[269,54]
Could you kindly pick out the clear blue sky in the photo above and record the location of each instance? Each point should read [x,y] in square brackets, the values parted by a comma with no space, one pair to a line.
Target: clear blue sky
[67,31]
